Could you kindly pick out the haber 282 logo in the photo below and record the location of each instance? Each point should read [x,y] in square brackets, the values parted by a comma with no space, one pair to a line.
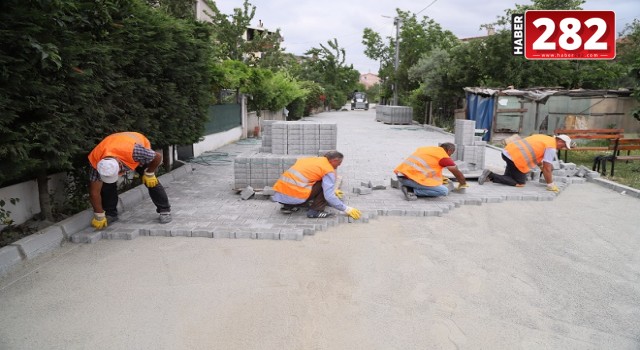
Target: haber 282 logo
[564,35]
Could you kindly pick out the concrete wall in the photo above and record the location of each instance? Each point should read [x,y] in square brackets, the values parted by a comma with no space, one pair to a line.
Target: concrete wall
[217,140]
[29,202]
[253,121]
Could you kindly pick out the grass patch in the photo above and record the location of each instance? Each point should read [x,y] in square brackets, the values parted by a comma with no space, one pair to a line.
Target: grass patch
[627,174]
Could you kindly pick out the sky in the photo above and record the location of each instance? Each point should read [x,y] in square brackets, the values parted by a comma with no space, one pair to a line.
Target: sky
[306,24]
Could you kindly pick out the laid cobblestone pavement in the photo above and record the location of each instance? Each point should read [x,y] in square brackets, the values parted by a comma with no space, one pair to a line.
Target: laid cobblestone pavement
[204,203]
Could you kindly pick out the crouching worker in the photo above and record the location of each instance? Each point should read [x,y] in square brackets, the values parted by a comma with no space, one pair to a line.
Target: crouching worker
[421,173]
[312,182]
[112,157]
[525,154]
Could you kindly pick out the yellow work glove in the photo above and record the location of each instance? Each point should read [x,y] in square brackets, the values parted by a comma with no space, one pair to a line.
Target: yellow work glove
[445,181]
[353,213]
[339,193]
[462,187]
[552,187]
[149,179]
[99,221]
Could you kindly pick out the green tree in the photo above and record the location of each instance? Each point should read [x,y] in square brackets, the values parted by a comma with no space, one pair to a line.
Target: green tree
[416,38]
[74,72]
[628,55]
[326,66]
[229,39]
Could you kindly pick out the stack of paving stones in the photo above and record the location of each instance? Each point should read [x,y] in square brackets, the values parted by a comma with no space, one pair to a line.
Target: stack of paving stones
[306,138]
[470,149]
[380,110]
[282,144]
[259,170]
[395,114]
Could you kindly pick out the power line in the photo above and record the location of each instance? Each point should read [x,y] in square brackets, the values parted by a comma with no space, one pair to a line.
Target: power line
[433,2]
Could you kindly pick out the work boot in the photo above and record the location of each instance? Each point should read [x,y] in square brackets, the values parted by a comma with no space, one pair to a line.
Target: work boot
[484,177]
[165,218]
[408,194]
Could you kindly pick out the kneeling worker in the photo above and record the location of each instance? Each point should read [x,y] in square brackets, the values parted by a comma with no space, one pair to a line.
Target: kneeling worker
[311,181]
[525,154]
[421,173]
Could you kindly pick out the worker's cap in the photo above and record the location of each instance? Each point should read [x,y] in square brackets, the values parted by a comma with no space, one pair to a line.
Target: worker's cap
[566,139]
[108,169]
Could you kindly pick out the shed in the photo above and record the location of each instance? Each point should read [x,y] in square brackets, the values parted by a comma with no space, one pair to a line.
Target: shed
[505,112]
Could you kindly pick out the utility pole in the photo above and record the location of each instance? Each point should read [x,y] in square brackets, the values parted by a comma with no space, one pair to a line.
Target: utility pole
[396,21]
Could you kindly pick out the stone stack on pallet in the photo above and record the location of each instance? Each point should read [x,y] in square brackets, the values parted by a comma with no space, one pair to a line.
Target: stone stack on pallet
[259,170]
[470,149]
[282,144]
[396,115]
[380,112]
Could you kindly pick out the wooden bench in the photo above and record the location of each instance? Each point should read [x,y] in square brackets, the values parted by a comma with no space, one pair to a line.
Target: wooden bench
[628,145]
[610,135]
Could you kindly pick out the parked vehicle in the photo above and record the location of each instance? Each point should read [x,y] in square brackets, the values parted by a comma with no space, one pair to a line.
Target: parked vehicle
[359,101]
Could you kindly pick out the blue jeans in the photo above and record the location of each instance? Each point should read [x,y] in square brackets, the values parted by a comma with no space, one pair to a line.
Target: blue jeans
[424,191]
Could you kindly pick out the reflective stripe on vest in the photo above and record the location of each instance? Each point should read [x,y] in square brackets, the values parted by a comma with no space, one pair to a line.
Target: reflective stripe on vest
[423,166]
[304,182]
[529,154]
[298,181]
[426,170]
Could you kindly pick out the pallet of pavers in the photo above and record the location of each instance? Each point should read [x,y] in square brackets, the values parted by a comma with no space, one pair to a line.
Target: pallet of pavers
[397,115]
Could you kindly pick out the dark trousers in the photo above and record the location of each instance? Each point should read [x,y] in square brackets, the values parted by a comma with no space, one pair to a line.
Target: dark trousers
[109,194]
[316,200]
[512,176]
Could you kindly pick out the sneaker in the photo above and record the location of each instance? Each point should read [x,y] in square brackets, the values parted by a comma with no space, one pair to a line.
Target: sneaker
[408,194]
[313,214]
[165,218]
[111,219]
[484,177]
[288,209]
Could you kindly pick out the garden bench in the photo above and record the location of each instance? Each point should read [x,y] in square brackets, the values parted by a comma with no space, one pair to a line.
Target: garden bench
[628,145]
[610,135]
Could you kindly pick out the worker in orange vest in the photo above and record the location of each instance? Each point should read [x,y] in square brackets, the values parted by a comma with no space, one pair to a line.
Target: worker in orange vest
[525,154]
[421,173]
[312,182]
[112,157]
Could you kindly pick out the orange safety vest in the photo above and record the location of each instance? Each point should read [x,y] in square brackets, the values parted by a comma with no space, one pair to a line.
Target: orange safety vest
[119,146]
[423,166]
[527,153]
[298,180]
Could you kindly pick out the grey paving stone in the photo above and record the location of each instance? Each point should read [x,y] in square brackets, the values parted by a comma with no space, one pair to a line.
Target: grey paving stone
[9,257]
[75,223]
[40,242]
[202,232]
[160,232]
[131,198]
[126,234]
[88,235]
